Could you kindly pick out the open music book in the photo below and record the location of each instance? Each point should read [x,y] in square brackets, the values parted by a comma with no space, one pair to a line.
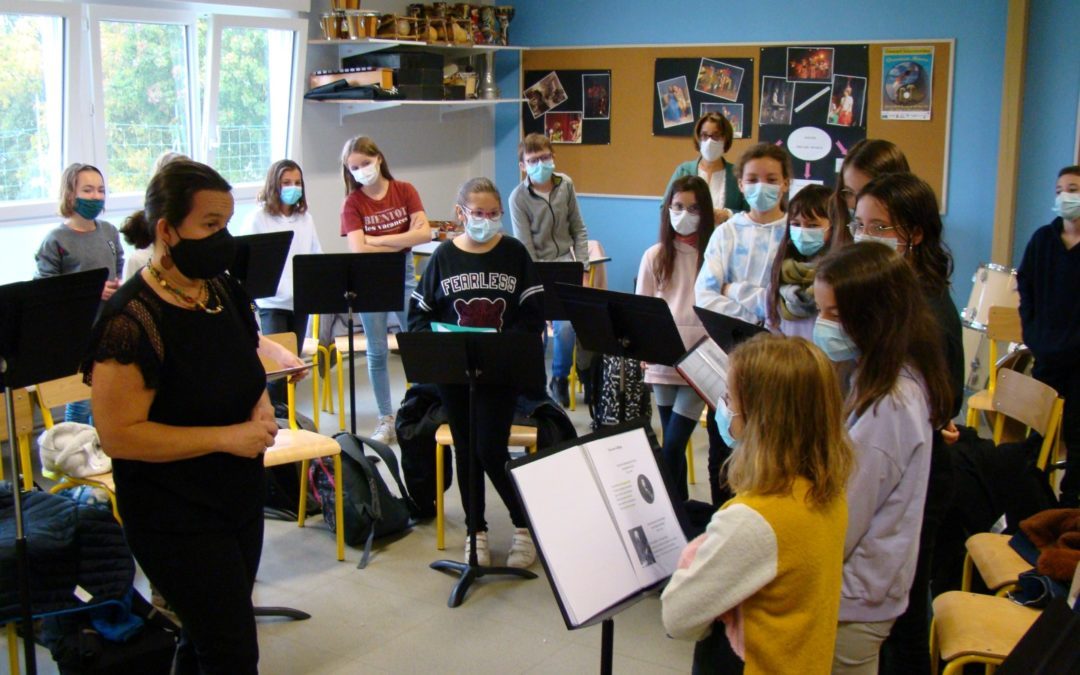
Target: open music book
[705,368]
[602,519]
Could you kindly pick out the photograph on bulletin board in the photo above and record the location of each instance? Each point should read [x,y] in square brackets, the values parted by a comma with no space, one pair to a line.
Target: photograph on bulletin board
[568,106]
[687,88]
[907,83]
[813,104]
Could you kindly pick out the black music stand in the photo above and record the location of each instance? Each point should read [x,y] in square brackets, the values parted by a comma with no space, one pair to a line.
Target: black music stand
[622,324]
[473,359]
[44,334]
[727,331]
[259,261]
[551,273]
[328,283]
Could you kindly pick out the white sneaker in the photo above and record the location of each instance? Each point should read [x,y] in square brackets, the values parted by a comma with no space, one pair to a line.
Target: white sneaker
[522,549]
[483,555]
[384,431]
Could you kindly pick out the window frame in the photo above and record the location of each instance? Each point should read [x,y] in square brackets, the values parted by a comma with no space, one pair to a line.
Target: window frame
[209,139]
[72,114]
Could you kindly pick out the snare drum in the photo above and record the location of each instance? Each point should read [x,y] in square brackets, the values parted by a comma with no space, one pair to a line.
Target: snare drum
[993,285]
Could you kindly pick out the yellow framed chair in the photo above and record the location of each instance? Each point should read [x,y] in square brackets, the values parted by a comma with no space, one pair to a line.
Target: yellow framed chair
[1003,325]
[24,426]
[298,445]
[341,350]
[520,437]
[54,394]
[974,628]
[1021,405]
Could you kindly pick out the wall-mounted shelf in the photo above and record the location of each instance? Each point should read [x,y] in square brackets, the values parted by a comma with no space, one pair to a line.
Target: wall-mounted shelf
[349,108]
[366,45]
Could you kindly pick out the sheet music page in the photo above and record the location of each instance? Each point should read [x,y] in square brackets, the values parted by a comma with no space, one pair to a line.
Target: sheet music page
[573,528]
[639,503]
[705,368]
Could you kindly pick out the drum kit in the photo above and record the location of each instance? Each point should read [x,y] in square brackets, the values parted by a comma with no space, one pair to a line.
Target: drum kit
[992,286]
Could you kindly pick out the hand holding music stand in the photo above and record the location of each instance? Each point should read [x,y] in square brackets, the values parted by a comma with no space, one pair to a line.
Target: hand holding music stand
[44,334]
[622,324]
[259,261]
[328,283]
[473,359]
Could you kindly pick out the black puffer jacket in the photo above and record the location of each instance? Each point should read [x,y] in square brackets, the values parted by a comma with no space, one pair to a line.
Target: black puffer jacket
[69,544]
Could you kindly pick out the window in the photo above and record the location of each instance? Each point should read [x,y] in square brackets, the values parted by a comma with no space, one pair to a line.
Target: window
[143,76]
[253,72]
[31,106]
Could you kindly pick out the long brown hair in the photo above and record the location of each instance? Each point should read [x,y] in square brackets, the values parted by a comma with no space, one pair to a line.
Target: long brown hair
[811,202]
[665,262]
[874,157]
[270,194]
[364,146]
[913,208]
[883,310]
[774,376]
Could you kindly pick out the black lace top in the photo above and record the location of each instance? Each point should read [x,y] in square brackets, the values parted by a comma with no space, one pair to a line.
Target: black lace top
[204,371]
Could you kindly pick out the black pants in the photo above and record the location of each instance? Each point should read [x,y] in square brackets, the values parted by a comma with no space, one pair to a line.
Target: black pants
[207,580]
[494,416]
[1067,383]
[282,321]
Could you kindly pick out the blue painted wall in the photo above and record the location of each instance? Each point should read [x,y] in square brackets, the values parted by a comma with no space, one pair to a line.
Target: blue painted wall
[1051,95]
[627,227]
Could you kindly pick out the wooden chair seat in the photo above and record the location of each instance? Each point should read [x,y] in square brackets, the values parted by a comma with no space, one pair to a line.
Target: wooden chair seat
[296,445]
[520,436]
[969,627]
[998,564]
[360,343]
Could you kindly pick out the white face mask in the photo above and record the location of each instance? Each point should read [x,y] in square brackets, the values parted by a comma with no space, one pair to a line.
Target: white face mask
[895,244]
[366,175]
[684,222]
[711,150]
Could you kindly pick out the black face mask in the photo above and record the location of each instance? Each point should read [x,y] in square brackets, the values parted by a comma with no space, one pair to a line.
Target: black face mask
[204,258]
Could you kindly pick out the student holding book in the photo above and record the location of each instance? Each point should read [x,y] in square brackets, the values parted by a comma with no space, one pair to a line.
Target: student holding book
[874,313]
[482,280]
[668,270]
[769,564]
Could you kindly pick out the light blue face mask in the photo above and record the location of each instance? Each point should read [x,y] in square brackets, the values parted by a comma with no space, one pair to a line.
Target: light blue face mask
[762,196]
[1067,205]
[808,240]
[540,172]
[481,230]
[291,194]
[723,424]
[831,338]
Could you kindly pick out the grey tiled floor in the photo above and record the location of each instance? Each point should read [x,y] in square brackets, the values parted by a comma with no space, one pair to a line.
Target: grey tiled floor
[392,617]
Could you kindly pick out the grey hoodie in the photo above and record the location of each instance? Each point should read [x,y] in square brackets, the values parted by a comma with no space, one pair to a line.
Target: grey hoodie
[551,229]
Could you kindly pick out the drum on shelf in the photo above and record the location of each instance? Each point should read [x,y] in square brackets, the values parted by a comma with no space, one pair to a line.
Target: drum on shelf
[976,360]
[993,285]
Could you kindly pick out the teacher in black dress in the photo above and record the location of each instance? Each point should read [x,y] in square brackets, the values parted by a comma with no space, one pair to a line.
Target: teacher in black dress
[179,399]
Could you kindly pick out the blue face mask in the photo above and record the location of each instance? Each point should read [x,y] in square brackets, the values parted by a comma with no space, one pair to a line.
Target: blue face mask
[808,240]
[1067,205]
[723,424]
[482,230]
[762,196]
[540,172]
[291,194]
[831,338]
[89,208]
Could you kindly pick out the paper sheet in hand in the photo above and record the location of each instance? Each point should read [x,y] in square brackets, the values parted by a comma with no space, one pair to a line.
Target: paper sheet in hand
[705,368]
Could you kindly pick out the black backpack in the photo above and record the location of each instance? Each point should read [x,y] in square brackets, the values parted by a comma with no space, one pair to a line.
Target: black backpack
[604,407]
[370,509]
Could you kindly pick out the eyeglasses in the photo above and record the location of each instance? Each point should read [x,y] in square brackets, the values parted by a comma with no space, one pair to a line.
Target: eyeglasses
[873,229]
[532,161]
[718,137]
[693,209]
[480,214]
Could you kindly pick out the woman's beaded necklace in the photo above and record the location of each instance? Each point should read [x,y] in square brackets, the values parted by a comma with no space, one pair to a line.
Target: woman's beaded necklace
[184,297]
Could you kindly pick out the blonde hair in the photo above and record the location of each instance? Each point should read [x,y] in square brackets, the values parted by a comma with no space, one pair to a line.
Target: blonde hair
[789,398]
[68,182]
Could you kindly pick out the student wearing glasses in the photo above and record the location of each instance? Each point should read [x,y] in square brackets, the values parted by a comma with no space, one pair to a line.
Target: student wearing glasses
[713,135]
[867,159]
[546,218]
[482,280]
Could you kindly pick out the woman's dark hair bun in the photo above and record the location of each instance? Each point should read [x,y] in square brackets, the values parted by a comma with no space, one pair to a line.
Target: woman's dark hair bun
[137,230]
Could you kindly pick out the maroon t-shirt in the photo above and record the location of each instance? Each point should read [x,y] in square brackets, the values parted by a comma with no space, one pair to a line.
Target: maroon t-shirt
[377,217]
